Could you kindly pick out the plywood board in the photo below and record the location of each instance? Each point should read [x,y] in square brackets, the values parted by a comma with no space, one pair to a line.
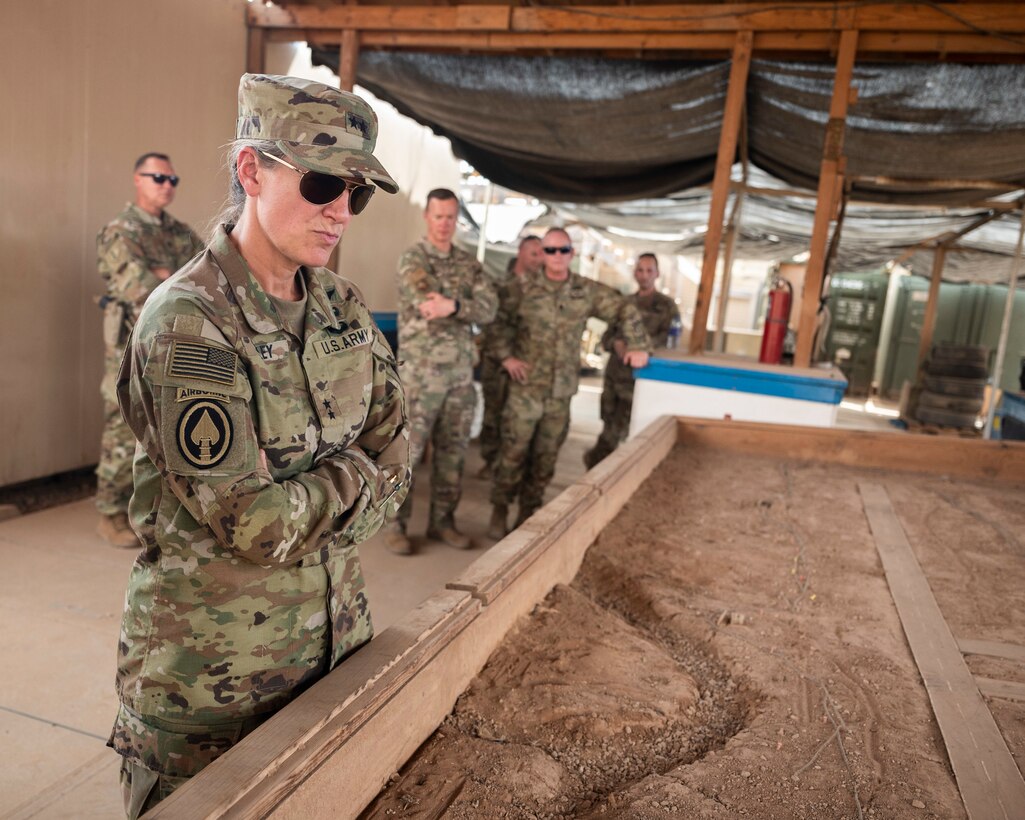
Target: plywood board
[1001,460]
[1009,690]
[995,649]
[990,783]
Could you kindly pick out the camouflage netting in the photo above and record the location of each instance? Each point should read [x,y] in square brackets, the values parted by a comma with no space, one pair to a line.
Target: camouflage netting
[593,131]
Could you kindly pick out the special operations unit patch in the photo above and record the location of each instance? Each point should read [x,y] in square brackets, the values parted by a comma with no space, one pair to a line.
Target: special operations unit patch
[197,360]
[204,434]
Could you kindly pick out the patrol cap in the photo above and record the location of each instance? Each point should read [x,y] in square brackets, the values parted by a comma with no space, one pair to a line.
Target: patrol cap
[315,125]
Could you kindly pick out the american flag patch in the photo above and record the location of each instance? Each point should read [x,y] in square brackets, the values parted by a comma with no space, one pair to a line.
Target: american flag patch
[193,360]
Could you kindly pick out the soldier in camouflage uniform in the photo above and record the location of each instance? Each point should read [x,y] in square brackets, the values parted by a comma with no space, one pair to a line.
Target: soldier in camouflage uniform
[617,395]
[494,381]
[140,248]
[443,292]
[273,441]
[539,331]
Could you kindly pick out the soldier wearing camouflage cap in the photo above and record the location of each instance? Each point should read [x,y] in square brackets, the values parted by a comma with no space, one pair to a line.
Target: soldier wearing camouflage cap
[140,248]
[273,440]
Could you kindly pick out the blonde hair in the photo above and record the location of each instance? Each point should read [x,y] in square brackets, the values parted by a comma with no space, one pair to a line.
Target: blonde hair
[231,209]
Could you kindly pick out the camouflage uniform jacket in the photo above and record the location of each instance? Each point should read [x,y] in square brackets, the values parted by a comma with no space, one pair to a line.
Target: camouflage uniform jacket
[657,311]
[128,249]
[542,323]
[442,344]
[503,290]
[249,586]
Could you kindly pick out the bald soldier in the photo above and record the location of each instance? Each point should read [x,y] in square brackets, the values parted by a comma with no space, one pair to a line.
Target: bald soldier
[142,246]
[617,395]
[443,292]
[494,380]
[539,327]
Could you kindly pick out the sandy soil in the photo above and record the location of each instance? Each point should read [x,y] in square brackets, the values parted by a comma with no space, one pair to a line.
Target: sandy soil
[730,648]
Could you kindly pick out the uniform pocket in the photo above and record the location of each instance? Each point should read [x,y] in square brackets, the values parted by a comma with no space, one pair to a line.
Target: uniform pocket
[341,381]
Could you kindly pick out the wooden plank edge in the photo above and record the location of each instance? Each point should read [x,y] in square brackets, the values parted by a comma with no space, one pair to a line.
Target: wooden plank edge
[296,739]
[1006,689]
[987,776]
[968,458]
[498,567]
[624,469]
[993,649]
[434,690]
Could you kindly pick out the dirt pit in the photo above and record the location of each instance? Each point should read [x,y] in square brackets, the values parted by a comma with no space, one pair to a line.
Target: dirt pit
[730,648]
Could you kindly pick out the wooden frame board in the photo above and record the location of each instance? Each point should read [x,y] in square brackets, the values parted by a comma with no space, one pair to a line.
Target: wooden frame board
[331,750]
[987,776]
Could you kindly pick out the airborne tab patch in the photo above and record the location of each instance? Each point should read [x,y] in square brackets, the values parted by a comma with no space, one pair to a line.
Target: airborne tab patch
[191,393]
[343,341]
[198,360]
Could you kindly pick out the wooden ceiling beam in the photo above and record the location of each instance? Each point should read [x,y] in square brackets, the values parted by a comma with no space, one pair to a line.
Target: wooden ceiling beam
[869,44]
[732,17]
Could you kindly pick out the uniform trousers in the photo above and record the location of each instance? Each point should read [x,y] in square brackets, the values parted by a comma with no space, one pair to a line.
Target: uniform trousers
[442,414]
[534,427]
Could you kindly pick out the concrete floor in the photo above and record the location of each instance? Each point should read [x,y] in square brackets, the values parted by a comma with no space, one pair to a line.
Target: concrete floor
[61,596]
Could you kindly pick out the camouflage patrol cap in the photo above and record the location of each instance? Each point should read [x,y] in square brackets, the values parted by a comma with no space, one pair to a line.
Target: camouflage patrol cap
[315,125]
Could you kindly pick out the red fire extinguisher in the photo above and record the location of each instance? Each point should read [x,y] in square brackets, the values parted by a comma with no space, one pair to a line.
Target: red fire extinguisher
[781,296]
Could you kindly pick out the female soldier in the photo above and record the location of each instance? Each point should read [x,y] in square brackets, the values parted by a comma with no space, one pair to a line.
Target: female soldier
[274,440]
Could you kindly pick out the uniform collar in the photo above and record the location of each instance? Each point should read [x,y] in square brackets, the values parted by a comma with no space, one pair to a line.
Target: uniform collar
[430,250]
[254,303]
[144,216]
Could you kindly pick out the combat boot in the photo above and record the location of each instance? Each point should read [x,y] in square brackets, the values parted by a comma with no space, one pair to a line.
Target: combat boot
[498,528]
[446,532]
[525,511]
[396,540]
[115,530]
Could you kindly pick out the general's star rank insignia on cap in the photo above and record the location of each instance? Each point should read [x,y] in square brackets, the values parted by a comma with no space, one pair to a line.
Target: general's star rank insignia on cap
[197,360]
[204,434]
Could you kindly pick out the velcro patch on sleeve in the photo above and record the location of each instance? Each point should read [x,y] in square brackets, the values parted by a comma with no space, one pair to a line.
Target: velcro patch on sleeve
[199,360]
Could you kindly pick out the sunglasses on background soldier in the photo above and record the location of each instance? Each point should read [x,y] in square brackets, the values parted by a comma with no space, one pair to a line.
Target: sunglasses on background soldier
[320,189]
[160,179]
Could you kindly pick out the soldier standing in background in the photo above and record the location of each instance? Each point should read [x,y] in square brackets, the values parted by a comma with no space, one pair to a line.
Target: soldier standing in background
[494,380]
[141,247]
[538,340]
[443,292]
[658,312]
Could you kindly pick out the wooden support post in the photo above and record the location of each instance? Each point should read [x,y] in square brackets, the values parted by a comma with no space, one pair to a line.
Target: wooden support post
[735,94]
[348,59]
[832,151]
[929,320]
[719,340]
[255,38]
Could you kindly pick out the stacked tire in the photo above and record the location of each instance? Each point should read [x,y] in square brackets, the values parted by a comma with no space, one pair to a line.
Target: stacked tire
[954,385]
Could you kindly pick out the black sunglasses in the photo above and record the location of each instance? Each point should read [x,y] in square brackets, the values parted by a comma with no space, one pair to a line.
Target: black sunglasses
[160,179]
[560,249]
[320,189]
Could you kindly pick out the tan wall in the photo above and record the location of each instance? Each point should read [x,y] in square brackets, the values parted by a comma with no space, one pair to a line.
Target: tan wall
[88,86]
[107,80]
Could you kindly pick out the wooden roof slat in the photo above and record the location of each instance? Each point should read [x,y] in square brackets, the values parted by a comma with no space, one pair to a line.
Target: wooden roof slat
[826,17]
